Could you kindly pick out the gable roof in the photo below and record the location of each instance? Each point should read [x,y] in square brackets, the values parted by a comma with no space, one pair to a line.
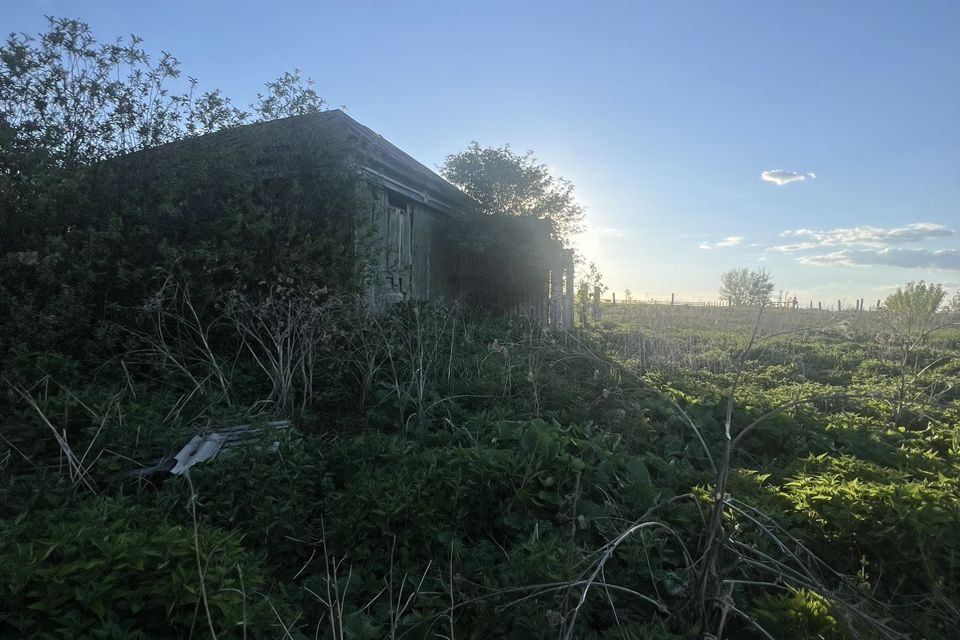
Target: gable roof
[381,160]
[385,160]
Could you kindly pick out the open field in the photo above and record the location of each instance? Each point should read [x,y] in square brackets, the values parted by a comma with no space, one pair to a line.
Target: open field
[687,337]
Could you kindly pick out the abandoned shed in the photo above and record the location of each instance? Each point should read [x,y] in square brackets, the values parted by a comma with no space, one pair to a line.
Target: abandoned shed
[422,239]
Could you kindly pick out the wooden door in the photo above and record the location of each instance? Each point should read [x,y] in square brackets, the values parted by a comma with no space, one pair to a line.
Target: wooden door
[399,258]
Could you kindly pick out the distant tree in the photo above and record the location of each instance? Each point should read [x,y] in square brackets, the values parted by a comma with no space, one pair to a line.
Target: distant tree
[594,278]
[911,314]
[912,309]
[628,296]
[954,306]
[589,280]
[506,183]
[742,287]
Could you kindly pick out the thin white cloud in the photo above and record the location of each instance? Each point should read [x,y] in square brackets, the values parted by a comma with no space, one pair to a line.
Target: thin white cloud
[919,231]
[943,259]
[781,177]
[729,241]
[797,246]
[612,231]
[862,236]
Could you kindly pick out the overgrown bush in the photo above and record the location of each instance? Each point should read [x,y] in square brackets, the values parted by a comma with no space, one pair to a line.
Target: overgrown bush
[104,569]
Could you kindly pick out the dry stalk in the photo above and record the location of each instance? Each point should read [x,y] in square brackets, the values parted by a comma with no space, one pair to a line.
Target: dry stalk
[77,472]
[179,341]
[196,549]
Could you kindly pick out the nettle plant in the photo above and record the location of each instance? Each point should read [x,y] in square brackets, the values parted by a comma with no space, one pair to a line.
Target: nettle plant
[147,575]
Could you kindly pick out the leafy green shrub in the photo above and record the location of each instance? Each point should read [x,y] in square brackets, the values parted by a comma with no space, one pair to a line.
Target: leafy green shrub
[517,503]
[911,309]
[273,499]
[799,615]
[901,528]
[103,569]
[98,241]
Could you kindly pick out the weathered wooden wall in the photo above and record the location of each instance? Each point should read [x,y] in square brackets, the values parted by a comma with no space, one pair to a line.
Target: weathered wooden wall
[409,248]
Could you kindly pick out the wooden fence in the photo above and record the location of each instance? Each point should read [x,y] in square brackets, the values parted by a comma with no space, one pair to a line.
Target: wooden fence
[779,303]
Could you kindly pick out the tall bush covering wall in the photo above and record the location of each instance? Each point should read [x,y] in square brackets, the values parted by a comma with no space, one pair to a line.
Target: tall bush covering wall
[90,244]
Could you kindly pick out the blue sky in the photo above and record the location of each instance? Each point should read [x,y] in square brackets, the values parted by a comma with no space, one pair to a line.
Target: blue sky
[663,114]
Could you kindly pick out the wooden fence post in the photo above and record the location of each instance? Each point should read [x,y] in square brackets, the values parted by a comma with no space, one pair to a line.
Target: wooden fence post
[596,304]
[571,290]
[556,297]
[543,304]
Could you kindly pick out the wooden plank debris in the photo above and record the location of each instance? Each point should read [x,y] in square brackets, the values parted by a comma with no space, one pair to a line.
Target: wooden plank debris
[208,445]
